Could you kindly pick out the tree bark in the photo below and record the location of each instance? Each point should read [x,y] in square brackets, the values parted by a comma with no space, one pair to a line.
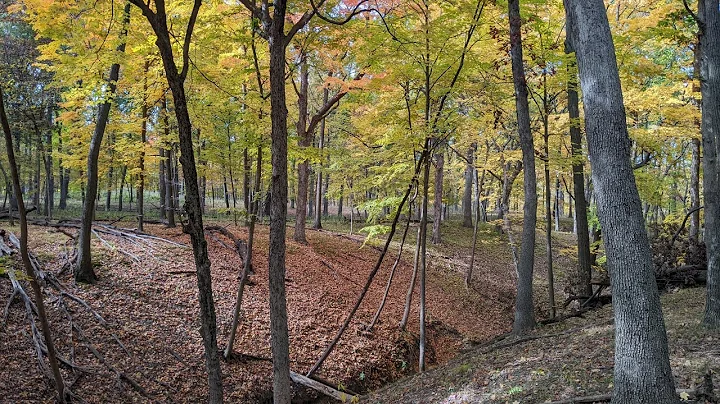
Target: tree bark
[304,141]
[438,204]
[548,214]
[84,271]
[584,276]
[642,367]
[710,88]
[176,81]
[141,162]
[467,192]
[524,310]
[319,188]
[161,183]
[278,206]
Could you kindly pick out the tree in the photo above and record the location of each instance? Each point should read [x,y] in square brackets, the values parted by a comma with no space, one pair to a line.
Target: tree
[578,165]
[176,81]
[84,271]
[29,271]
[642,367]
[524,310]
[709,22]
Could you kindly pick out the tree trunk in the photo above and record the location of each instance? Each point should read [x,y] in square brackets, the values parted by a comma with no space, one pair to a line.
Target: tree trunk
[438,204]
[642,366]
[141,162]
[319,188]
[340,202]
[548,214]
[584,276]
[524,311]
[467,192]
[123,173]
[29,271]
[304,141]
[710,87]
[84,271]
[278,209]
[161,183]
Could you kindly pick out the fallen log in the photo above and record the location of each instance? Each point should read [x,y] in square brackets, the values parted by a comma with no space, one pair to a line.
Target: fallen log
[321,387]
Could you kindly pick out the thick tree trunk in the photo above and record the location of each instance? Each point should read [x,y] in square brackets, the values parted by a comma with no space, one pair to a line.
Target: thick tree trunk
[438,204]
[642,366]
[467,192]
[584,287]
[84,271]
[278,208]
[710,87]
[524,310]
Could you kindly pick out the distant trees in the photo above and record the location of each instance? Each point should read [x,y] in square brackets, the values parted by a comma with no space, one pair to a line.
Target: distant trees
[642,366]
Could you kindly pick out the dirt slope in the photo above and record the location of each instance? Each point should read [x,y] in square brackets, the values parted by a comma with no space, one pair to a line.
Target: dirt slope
[151,307]
[559,362]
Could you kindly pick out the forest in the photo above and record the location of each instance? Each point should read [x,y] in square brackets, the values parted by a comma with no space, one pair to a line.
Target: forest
[382,201]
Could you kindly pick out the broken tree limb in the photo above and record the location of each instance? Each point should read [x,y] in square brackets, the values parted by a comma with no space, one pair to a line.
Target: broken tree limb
[682,226]
[321,387]
[374,271]
[394,267]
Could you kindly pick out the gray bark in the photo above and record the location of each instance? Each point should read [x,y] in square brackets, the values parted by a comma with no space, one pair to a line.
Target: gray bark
[305,140]
[642,367]
[524,310]
[581,221]
[710,88]
[467,192]
[437,204]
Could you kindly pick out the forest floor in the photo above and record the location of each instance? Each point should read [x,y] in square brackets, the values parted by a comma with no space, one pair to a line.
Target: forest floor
[561,361]
[148,296]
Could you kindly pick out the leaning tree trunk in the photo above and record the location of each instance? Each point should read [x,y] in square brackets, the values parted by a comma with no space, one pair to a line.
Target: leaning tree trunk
[524,310]
[642,366]
[30,272]
[710,87]
[83,269]
[584,277]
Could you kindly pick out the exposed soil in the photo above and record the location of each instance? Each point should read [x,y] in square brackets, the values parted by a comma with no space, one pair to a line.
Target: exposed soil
[151,307]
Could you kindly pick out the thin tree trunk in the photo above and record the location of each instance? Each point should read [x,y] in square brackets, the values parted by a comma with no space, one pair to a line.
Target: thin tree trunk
[30,272]
[642,366]
[84,271]
[162,179]
[467,192]
[143,141]
[319,189]
[304,141]
[123,173]
[252,213]
[548,215]
[392,270]
[584,276]
[411,287]
[438,203]
[524,310]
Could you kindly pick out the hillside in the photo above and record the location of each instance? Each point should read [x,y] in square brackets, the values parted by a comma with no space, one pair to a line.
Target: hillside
[147,295]
[559,362]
